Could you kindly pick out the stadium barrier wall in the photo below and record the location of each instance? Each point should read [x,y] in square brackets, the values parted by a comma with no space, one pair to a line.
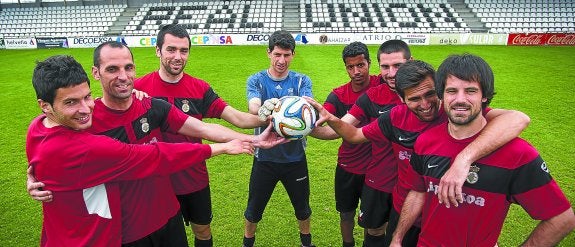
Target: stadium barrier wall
[550,39]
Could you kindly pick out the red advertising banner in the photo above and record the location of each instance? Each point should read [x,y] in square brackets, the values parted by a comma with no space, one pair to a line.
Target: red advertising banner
[554,39]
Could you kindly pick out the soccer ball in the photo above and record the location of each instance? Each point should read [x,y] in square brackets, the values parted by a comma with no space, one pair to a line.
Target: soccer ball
[293,117]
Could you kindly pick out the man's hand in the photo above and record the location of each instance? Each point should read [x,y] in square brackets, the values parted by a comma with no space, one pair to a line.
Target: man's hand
[266,109]
[449,190]
[232,147]
[34,188]
[238,147]
[268,139]
[140,94]
[324,115]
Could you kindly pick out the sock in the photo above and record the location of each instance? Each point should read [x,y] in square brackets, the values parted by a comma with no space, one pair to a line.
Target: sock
[371,240]
[249,242]
[348,244]
[305,239]
[203,243]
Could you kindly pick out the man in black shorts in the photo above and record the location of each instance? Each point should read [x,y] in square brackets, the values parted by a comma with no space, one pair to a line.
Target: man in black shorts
[120,115]
[353,159]
[404,122]
[195,98]
[287,162]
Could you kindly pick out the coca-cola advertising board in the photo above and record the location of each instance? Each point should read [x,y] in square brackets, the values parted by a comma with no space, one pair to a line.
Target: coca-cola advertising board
[554,39]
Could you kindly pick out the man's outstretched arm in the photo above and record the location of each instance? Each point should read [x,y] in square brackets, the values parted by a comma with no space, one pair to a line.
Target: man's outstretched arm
[327,133]
[218,133]
[240,119]
[347,131]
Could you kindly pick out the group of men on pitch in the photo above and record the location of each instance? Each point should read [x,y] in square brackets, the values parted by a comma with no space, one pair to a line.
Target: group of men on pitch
[440,146]
[415,143]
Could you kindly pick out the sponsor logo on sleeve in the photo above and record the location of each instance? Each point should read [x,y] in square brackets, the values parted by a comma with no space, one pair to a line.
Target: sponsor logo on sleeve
[544,167]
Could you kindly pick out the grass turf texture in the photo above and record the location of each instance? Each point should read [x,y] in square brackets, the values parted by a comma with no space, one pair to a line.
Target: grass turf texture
[535,80]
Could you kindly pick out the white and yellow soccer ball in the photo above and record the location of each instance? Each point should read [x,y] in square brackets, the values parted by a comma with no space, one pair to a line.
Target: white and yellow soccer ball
[293,117]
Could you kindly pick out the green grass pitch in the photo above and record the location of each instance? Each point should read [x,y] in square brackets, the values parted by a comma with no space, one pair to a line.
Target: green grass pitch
[535,80]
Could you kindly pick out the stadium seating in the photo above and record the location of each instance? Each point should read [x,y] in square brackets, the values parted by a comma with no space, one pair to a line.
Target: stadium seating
[70,21]
[524,16]
[311,16]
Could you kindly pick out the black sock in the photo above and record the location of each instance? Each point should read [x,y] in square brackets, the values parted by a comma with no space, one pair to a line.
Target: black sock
[305,239]
[348,244]
[203,243]
[371,240]
[249,242]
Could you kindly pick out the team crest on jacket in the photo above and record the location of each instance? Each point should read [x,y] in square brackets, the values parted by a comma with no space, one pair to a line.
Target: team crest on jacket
[145,125]
[185,105]
[472,176]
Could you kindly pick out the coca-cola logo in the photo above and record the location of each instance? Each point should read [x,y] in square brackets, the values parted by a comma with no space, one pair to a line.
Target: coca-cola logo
[527,40]
[561,39]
